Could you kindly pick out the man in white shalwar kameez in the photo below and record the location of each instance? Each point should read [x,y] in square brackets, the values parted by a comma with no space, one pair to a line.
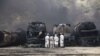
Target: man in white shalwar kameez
[51,42]
[56,40]
[47,41]
[61,40]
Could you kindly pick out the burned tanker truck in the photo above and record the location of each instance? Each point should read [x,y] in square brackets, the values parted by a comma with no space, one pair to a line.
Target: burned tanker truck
[64,29]
[35,34]
[83,34]
[12,38]
[86,34]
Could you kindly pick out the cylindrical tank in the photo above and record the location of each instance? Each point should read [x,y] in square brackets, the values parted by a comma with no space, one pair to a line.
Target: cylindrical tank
[11,38]
[61,28]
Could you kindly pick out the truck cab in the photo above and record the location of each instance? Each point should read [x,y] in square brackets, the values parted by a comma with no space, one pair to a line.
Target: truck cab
[35,34]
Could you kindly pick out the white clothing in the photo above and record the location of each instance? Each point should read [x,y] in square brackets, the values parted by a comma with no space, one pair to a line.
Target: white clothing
[56,39]
[47,41]
[51,42]
[61,40]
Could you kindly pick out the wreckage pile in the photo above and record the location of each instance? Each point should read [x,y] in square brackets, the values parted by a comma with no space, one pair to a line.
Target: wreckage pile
[83,34]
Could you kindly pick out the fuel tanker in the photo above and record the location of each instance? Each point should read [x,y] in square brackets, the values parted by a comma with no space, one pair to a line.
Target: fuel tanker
[12,38]
[86,34]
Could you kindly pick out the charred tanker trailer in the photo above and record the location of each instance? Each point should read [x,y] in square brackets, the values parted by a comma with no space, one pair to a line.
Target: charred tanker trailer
[11,38]
[86,34]
[35,34]
[64,29]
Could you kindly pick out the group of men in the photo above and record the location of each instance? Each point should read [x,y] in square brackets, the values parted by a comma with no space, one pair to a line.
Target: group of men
[54,41]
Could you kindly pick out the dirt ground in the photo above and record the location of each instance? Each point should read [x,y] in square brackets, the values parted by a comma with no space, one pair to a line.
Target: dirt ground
[67,51]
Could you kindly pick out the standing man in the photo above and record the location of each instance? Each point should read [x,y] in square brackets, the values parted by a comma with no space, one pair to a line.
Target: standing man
[56,39]
[51,42]
[61,40]
[47,41]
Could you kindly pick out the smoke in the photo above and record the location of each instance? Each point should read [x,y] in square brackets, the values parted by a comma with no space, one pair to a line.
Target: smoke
[83,10]
[16,14]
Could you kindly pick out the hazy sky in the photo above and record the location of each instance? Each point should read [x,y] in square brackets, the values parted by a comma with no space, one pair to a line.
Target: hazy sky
[16,14]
